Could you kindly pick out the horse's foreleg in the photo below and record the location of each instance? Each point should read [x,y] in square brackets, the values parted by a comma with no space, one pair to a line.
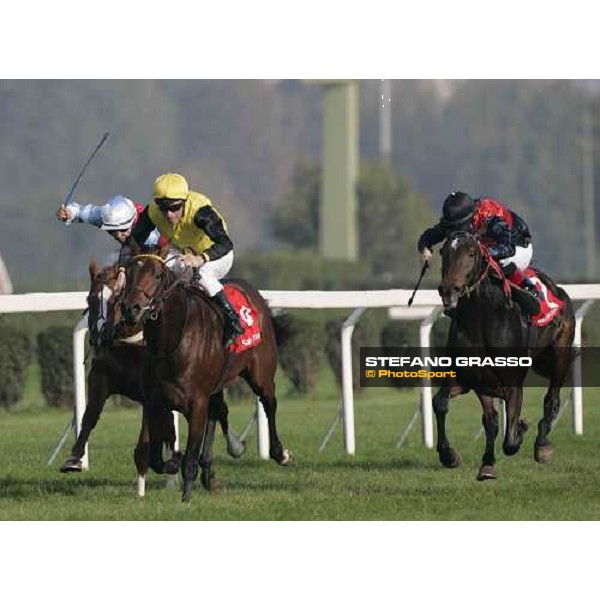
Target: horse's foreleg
[207,474]
[197,420]
[155,415]
[98,393]
[515,425]
[448,456]
[489,420]
[141,455]
[173,462]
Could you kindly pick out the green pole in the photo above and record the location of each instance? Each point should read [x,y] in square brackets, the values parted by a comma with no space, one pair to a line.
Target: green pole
[338,208]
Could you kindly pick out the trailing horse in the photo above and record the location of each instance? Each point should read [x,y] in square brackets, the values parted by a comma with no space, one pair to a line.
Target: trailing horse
[485,320]
[187,365]
[115,369]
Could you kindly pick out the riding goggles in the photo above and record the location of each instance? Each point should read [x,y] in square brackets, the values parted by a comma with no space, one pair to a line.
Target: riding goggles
[168,205]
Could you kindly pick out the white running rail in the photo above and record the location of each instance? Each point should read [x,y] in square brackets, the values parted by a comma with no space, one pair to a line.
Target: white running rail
[426,307]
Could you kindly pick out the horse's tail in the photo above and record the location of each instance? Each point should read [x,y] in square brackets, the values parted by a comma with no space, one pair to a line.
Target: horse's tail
[282,324]
[550,283]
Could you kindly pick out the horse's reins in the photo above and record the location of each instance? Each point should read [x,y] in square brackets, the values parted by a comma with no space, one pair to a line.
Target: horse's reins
[487,260]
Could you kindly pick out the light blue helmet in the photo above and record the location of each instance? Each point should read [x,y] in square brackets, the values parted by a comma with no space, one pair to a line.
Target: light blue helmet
[118,213]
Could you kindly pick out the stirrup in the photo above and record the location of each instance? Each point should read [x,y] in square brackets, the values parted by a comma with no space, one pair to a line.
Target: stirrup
[530,287]
[529,303]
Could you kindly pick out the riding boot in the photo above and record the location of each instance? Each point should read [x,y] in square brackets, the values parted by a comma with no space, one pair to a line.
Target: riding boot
[233,327]
[527,301]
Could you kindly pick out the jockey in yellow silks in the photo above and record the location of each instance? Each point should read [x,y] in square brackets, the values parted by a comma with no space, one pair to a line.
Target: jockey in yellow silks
[190,222]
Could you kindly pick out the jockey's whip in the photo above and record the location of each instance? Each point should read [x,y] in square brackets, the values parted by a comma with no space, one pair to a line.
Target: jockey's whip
[69,198]
[424,268]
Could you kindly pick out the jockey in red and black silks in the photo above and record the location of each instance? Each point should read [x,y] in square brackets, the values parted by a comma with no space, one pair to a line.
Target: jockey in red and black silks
[501,230]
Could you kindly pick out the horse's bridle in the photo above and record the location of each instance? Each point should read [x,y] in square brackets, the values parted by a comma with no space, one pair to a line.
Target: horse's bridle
[484,257]
[103,280]
[155,300]
[152,309]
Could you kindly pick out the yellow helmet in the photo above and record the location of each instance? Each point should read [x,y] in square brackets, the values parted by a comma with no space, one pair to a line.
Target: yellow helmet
[172,186]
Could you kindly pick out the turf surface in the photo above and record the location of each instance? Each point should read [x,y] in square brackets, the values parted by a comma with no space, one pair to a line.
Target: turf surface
[379,483]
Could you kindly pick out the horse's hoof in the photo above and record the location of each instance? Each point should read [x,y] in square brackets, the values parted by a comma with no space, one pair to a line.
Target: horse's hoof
[450,458]
[287,458]
[72,465]
[187,490]
[206,477]
[486,472]
[542,454]
[511,449]
[172,466]
[236,449]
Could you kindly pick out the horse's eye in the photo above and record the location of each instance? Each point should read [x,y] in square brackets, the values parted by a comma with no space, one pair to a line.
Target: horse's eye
[471,254]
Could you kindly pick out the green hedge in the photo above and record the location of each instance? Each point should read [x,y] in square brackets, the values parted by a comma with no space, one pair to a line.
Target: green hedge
[301,350]
[302,270]
[366,333]
[15,355]
[399,334]
[55,353]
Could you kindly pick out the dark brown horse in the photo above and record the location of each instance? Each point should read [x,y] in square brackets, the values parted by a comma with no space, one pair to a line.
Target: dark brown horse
[187,365]
[485,320]
[115,369]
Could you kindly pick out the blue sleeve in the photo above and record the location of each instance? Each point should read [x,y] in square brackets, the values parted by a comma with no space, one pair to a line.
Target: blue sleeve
[152,239]
[88,213]
[499,231]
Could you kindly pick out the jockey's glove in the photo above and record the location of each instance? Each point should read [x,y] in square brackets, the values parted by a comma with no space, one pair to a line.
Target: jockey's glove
[189,260]
[426,255]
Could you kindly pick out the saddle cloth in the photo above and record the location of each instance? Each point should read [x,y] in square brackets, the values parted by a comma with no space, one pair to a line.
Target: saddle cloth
[248,314]
[550,304]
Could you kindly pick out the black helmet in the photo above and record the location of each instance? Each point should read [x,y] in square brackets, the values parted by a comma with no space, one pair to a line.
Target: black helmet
[458,209]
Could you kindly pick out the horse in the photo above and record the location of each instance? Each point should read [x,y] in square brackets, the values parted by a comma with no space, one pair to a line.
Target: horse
[115,369]
[484,319]
[187,364]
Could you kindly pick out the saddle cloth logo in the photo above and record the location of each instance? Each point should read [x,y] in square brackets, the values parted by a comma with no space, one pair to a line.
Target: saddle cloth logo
[550,305]
[248,314]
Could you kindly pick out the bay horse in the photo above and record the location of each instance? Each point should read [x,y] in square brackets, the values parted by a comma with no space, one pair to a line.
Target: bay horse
[116,362]
[187,365]
[485,319]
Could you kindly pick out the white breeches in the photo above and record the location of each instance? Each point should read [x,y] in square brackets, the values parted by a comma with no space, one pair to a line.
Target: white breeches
[521,258]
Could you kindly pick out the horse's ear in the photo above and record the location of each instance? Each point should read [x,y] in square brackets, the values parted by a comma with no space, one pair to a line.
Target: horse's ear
[128,249]
[163,251]
[93,268]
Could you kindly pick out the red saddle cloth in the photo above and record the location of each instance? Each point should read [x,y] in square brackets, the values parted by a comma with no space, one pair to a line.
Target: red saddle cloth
[248,314]
[550,304]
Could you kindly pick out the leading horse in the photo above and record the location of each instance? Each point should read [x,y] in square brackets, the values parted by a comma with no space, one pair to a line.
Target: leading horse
[484,321]
[116,362]
[187,365]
